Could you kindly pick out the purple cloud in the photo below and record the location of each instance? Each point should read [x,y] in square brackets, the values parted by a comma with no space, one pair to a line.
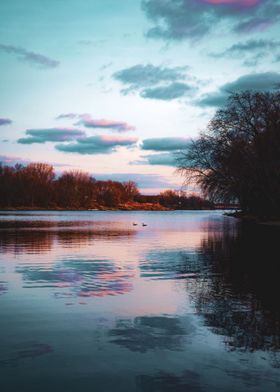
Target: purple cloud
[11,160]
[30,57]
[5,121]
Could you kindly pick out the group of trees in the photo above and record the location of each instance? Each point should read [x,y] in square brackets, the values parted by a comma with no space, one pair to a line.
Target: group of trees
[36,185]
[237,159]
[180,201]
[176,200]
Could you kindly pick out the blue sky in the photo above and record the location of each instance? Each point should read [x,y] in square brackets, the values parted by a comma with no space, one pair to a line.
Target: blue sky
[116,88]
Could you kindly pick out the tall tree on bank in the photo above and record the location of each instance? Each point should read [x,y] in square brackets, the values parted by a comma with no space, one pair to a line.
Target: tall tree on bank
[237,159]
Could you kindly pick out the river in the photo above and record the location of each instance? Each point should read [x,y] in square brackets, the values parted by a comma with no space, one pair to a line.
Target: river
[138,301]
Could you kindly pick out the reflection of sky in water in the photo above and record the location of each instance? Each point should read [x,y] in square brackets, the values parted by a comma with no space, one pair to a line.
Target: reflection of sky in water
[177,305]
[83,278]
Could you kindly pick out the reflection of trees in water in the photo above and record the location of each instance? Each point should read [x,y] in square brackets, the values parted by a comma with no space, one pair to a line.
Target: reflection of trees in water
[82,278]
[240,298]
[3,287]
[151,333]
[20,241]
[29,238]
[233,283]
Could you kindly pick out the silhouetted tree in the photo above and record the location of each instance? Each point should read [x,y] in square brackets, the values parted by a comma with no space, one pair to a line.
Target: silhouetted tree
[238,157]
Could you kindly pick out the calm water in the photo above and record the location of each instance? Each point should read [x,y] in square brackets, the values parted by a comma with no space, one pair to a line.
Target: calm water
[90,302]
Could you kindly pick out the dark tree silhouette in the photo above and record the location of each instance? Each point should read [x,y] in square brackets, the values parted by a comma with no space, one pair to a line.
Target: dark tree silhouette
[237,159]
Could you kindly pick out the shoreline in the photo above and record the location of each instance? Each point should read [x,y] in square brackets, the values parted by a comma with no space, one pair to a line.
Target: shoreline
[252,219]
[130,206]
[105,209]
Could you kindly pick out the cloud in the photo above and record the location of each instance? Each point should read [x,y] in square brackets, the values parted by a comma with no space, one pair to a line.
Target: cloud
[11,160]
[5,121]
[30,57]
[256,49]
[256,25]
[118,126]
[193,19]
[101,144]
[155,82]
[70,116]
[50,135]
[267,81]
[140,76]
[87,121]
[162,159]
[168,147]
[167,93]
[165,144]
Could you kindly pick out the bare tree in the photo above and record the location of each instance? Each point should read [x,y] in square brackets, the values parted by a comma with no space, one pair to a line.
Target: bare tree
[238,157]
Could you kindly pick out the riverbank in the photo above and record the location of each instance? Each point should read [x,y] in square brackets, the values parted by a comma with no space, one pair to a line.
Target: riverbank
[254,219]
[129,206]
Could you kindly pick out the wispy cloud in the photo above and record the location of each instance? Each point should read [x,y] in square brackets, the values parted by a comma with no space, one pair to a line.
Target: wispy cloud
[101,144]
[5,121]
[70,116]
[51,135]
[29,56]
[251,51]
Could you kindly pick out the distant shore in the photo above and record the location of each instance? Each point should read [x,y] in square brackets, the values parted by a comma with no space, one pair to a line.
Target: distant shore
[130,206]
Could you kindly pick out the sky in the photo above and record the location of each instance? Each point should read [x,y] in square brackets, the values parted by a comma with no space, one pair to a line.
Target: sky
[117,88]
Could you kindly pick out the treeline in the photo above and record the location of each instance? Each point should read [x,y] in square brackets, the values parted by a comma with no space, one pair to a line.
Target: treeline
[37,186]
[177,200]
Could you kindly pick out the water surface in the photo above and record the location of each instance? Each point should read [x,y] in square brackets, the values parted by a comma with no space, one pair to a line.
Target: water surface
[94,301]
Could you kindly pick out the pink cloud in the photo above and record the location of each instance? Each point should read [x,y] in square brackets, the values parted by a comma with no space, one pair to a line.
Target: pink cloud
[119,126]
[89,122]
[242,3]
